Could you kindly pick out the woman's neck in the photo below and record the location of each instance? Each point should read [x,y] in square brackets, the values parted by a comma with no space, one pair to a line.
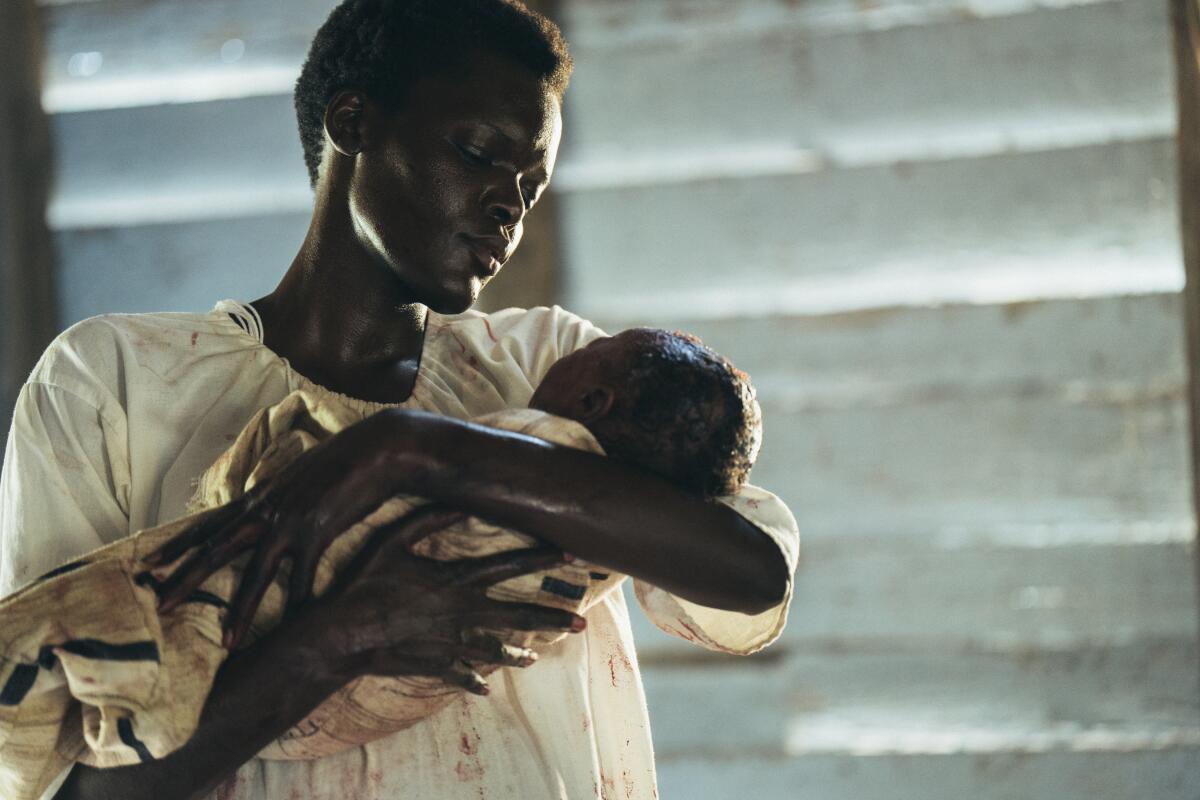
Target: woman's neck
[340,322]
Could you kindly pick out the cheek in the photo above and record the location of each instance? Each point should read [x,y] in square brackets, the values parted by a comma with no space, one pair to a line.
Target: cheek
[374,195]
[449,195]
[411,208]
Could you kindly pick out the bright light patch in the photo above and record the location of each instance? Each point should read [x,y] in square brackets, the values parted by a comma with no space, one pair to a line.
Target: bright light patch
[154,89]
[85,65]
[232,51]
[903,735]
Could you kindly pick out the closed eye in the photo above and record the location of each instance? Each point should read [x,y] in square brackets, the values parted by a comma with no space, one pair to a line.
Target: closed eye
[473,156]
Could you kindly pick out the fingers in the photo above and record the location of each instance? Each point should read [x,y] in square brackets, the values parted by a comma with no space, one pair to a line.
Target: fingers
[421,523]
[209,556]
[487,649]
[449,669]
[459,674]
[524,617]
[414,526]
[255,582]
[204,529]
[304,571]
[502,566]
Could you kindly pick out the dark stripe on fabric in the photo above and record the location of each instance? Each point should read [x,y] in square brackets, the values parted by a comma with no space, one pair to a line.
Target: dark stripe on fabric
[46,658]
[23,676]
[64,569]
[103,651]
[18,684]
[125,731]
[201,596]
[198,596]
[147,579]
[571,591]
[598,576]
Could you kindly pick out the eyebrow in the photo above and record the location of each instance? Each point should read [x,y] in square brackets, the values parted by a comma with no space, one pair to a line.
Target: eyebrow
[494,128]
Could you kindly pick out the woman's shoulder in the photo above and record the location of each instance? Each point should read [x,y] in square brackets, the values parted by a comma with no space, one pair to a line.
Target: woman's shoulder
[94,357]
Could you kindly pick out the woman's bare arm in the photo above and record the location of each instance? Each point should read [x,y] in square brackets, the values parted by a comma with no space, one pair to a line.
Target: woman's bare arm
[594,507]
[599,509]
[392,613]
[258,695]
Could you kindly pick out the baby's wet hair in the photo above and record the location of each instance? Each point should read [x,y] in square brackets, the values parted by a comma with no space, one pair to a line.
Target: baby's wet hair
[685,413]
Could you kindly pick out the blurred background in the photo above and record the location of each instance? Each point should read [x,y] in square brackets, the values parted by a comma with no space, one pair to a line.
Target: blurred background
[941,235]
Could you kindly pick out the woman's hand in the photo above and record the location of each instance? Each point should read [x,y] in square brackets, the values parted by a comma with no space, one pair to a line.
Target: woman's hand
[394,613]
[390,613]
[294,515]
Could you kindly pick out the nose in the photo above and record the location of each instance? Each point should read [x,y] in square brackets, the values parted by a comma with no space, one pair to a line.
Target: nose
[505,204]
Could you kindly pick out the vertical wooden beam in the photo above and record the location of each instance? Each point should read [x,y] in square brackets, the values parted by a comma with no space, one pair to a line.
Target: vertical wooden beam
[28,312]
[534,276]
[1185,15]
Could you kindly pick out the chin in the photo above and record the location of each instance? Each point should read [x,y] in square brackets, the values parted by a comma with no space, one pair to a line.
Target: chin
[453,294]
[453,299]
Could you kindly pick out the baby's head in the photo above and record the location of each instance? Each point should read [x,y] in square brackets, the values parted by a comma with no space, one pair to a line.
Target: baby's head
[663,401]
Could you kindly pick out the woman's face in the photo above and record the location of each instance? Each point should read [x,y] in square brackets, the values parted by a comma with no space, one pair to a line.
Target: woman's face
[440,189]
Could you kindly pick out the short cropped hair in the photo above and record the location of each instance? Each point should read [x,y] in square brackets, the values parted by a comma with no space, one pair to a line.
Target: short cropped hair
[685,413]
[383,46]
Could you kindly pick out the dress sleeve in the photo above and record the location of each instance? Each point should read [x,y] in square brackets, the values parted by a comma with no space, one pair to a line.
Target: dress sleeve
[731,631]
[64,490]
[534,338]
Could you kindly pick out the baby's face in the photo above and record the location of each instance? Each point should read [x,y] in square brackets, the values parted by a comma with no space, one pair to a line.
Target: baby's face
[569,381]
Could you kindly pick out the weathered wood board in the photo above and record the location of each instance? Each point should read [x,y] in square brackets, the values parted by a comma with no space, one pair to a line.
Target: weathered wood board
[989,65]
[1074,221]
[900,592]
[994,94]
[27,290]
[990,463]
[178,268]
[1163,774]
[696,75]
[914,700]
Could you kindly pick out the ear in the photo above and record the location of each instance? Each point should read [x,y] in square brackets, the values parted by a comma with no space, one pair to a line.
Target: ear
[594,404]
[345,118]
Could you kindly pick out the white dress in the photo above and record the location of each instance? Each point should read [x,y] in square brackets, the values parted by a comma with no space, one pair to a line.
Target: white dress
[123,412]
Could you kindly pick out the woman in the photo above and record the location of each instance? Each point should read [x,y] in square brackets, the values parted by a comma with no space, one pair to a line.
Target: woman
[430,130]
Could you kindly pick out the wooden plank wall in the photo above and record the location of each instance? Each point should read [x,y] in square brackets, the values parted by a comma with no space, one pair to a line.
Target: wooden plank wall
[942,236]
[27,302]
[1185,18]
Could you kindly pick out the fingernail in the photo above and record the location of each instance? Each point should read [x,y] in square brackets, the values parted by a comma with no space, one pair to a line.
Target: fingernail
[568,557]
[578,624]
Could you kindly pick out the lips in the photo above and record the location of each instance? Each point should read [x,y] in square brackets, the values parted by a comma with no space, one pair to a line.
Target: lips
[489,254]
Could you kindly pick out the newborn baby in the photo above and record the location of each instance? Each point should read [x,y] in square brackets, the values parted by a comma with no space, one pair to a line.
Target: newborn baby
[659,400]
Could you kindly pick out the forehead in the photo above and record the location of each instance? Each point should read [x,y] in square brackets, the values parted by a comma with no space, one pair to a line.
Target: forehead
[495,92]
